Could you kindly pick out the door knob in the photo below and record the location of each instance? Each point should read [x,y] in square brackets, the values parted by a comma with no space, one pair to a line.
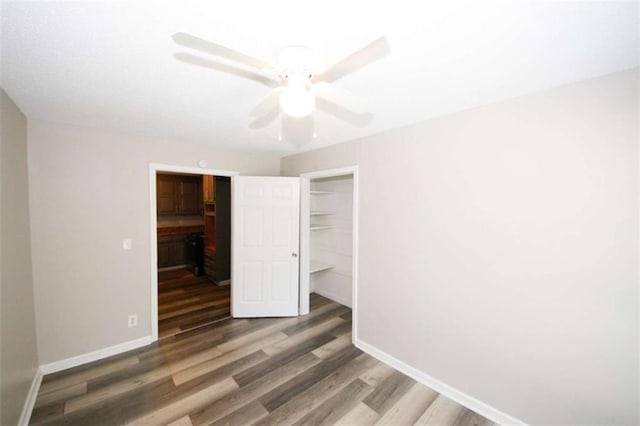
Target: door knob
[294,254]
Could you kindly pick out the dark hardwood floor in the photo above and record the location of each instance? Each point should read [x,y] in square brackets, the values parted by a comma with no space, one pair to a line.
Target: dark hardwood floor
[186,301]
[267,371]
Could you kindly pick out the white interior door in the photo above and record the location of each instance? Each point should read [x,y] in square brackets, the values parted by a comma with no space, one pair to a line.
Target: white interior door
[265,246]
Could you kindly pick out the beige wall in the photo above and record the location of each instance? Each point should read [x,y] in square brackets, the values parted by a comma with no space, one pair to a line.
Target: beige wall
[18,354]
[89,190]
[498,249]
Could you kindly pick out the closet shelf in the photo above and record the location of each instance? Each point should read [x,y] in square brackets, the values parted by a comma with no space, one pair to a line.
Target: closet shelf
[317,213]
[319,227]
[320,192]
[315,266]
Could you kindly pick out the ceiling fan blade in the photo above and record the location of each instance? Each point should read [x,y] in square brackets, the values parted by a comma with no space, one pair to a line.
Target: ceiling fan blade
[229,69]
[358,59]
[298,130]
[355,118]
[266,105]
[197,43]
[266,119]
[336,95]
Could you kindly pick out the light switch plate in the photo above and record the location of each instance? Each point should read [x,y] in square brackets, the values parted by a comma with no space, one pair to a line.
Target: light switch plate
[127,244]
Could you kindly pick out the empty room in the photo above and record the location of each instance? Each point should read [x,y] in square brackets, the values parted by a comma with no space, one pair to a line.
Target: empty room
[350,213]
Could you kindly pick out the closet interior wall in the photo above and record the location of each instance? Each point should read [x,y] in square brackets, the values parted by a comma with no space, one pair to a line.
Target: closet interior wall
[331,238]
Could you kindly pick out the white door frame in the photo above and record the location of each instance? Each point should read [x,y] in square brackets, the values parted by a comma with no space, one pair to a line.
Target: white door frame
[153,224]
[304,240]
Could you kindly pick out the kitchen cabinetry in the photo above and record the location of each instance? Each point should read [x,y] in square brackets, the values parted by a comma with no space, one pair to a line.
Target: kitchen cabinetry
[217,254]
[178,194]
[210,264]
[188,196]
[209,189]
[172,250]
[167,194]
[165,249]
[179,249]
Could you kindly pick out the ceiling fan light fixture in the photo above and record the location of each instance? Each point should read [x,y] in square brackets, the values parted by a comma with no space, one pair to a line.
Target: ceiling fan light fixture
[298,80]
[296,102]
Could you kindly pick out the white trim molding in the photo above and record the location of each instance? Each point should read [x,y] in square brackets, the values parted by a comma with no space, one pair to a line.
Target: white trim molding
[450,392]
[29,403]
[75,361]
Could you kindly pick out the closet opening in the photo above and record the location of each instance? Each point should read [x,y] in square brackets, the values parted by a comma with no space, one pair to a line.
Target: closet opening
[329,223]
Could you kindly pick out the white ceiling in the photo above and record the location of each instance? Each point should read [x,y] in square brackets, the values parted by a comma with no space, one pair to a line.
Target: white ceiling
[111,64]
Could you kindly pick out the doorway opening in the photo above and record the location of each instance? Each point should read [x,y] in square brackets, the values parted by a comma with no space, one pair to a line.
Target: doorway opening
[190,248]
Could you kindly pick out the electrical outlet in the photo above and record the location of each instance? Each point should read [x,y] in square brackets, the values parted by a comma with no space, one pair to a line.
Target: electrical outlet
[133,320]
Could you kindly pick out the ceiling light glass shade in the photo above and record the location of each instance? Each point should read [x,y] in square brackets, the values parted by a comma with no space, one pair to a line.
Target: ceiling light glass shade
[296,102]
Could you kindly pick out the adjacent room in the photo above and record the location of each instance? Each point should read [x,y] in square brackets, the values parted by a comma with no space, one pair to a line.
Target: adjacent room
[193,217]
[349,213]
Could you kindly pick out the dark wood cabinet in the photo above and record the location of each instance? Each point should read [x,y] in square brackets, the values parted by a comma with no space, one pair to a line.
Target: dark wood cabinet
[178,194]
[209,189]
[165,247]
[189,196]
[179,249]
[166,194]
[210,264]
[172,250]
[173,244]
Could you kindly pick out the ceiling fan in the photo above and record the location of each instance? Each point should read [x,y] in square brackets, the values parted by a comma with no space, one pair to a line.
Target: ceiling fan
[298,88]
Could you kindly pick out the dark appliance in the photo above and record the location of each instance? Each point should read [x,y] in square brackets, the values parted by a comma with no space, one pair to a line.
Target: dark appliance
[195,251]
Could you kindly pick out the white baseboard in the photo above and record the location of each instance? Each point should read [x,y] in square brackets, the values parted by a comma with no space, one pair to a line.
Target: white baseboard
[461,398]
[27,408]
[336,298]
[75,361]
[94,356]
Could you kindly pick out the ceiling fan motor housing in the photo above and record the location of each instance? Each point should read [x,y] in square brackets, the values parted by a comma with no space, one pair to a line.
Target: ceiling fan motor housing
[295,59]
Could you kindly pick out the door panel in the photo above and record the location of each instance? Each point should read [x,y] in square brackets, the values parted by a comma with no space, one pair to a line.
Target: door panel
[282,226]
[253,230]
[265,232]
[280,274]
[252,279]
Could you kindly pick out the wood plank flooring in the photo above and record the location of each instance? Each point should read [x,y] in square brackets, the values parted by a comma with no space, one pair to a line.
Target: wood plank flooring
[186,301]
[267,371]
